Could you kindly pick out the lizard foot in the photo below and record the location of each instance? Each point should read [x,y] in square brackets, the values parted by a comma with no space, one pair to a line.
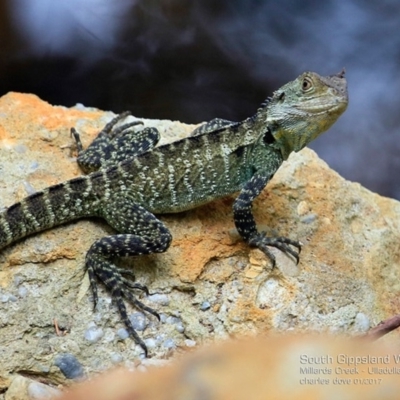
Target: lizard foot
[115,144]
[282,243]
[120,288]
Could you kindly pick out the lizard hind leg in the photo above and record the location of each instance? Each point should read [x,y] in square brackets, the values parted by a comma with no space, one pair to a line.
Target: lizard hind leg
[101,268]
[115,143]
[145,235]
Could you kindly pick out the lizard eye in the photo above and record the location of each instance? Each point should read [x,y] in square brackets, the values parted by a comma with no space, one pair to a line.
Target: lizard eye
[307,84]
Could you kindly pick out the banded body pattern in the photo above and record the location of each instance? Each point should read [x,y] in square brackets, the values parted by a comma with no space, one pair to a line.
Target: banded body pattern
[204,168]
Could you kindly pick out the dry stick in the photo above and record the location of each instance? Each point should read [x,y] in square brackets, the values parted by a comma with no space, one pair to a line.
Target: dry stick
[383,328]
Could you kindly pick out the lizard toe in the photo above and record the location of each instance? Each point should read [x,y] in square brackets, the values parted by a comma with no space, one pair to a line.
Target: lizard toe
[282,243]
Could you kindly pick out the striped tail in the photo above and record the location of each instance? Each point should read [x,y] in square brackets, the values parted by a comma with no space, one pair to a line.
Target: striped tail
[50,207]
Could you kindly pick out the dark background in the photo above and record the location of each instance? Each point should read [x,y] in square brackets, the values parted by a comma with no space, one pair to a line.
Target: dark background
[196,60]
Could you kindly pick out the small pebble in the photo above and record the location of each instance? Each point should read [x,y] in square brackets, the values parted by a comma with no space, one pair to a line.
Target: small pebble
[18,279]
[122,333]
[150,343]
[163,318]
[138,321]
[13,298]
[205,305]
[34,166]
[22,291]
[362,322]
[37,390]
[308,219]
[69,365]
[4,298]
[162,299]
[303,208]
[93,334]
[45,369]
[169,344]
[20,148]
[116,358]
[29,188]
[173,320]
[80,106]
[177,322]
[160,338]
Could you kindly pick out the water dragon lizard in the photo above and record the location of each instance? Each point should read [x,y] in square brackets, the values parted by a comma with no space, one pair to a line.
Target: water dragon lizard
[131,179]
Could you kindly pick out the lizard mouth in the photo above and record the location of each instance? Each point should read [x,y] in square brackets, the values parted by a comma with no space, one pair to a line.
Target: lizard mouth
[318,107]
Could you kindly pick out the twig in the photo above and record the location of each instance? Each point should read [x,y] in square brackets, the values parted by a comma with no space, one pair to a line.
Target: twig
[383,328]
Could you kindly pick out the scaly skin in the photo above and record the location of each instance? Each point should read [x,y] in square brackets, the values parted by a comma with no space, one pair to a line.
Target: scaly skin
[133,180]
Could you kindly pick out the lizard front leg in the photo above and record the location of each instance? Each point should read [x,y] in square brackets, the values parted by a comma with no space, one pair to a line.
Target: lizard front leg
[246,226]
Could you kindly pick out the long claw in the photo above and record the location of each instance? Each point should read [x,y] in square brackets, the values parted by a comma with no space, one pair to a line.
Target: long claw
[120,288]
[282,243]
[121,129]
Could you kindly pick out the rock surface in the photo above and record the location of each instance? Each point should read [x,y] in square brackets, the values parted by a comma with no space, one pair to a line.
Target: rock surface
[209,285]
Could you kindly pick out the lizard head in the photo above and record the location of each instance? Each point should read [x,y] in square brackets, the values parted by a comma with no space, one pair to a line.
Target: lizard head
[301,110]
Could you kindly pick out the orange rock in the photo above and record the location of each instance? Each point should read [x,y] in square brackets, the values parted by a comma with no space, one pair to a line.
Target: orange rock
[347,279]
